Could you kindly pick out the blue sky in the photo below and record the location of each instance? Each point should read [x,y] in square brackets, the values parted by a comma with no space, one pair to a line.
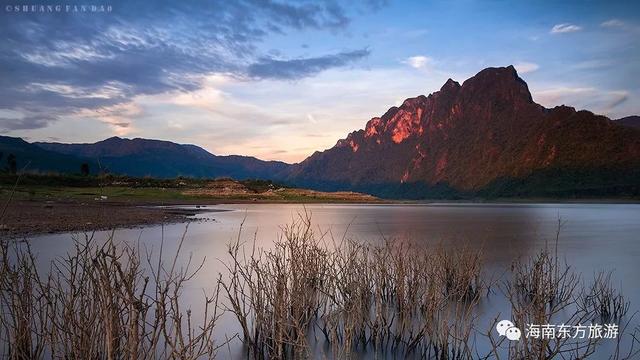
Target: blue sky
[279,80]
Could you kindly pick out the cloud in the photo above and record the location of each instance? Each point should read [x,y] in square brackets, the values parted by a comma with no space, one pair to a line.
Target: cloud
[27,122]
[306,15]
[118,116]
[613,23]
[418,62]
[415,33]
[376,4]
[590,98]
[559,95]
[617,24]
[526,67]
[565,28]
[269,68]
[593,64]
[67,63]
[312,119]
[617,98]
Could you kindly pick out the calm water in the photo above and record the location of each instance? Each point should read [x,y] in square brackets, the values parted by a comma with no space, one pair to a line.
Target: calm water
[594,237]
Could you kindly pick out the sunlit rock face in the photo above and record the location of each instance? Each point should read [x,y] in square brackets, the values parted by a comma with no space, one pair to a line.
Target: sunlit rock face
[468,136]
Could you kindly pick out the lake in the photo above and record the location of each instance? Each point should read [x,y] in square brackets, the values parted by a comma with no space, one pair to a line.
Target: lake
[592,237]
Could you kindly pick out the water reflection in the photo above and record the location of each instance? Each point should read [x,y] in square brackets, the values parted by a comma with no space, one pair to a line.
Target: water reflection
[593,237]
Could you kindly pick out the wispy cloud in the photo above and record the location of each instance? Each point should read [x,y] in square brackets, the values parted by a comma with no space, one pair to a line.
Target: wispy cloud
[617,24]
[565,28]
[118,117]
[613,23]
[269,68]
[526,67]
[593,64]
[597,100]
[25,122]
[418,62]
[415,33]
[560,95]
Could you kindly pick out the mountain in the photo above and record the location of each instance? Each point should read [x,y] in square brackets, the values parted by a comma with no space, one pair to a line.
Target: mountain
[32,158]
[165,159]
[485,137]
[629,121]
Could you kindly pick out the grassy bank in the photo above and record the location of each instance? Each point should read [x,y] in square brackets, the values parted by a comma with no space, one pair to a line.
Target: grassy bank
[153,190]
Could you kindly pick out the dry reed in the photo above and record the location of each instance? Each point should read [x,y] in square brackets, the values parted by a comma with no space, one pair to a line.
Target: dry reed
[389,300]
[395,300]
[102,302]
[392,298]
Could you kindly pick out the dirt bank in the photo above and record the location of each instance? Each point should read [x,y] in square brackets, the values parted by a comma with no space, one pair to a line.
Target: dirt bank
[24,218]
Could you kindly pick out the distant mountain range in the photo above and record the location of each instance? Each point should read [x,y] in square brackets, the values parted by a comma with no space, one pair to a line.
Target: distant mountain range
[165,159]
[137,157]
[630,121]
[486,137]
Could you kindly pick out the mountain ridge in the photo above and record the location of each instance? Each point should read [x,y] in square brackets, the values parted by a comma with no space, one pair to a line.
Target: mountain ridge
[138,157]
[166,159]
[466,137]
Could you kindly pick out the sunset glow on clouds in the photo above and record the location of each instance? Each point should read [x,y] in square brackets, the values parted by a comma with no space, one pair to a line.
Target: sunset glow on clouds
[280,80]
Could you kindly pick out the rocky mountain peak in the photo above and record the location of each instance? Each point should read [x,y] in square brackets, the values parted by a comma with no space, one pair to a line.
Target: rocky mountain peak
[469,137]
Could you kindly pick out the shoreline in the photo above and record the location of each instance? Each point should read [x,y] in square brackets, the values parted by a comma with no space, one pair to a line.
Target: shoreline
[24,219]
[27,218]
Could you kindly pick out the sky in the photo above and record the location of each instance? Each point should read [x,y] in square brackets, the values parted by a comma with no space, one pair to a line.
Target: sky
[279,80]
